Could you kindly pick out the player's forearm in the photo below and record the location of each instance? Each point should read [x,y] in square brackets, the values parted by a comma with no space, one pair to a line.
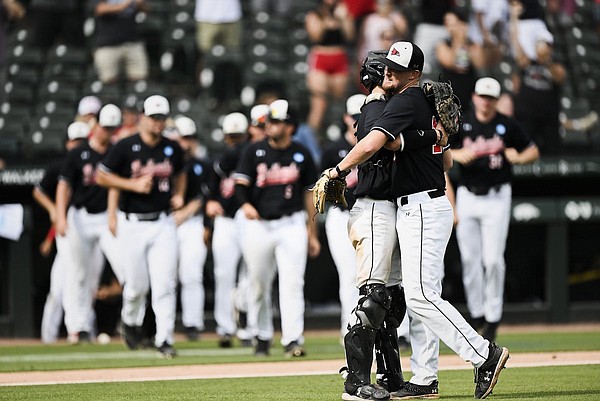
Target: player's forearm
[192,207]
[529,155]
[363,150]
[311,223]
[63,197]
[44,201]
[113,201]
[180,184]
[111,180]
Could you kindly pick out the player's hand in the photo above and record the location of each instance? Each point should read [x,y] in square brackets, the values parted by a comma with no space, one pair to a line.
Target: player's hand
[61,226]
[463,156]
[512,155]
[143,184]
[250,212]
[180,216]
[214,209]
[177,202]
[46,247]
[395,145]
[314,246]
[112,224]
[443,141]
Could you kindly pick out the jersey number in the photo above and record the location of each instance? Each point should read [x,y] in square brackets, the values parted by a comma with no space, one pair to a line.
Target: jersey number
[288,192]
[495,162]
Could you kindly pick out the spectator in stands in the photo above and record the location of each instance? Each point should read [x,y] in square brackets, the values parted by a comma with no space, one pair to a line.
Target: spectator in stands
[459,58]
[54,19]
[430,30]
[386,19]
[530,26]
[117,44]
[220,23]
[330,29]
[487,27]
[358,10]
[537,86]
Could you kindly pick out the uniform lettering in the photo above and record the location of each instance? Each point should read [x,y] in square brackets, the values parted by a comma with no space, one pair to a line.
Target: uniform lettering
[227,187]
[89,174]
[160,170]
[483,147]
[276,174]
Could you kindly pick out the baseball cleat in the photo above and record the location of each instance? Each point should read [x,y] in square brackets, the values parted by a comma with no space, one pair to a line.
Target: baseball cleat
[367,392]
[486,376]
[416,391]
[294,349]
[167,351]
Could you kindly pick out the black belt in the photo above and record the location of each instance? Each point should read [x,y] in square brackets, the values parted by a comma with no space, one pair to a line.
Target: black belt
[436,193]
[150,216]
[90,211]
[279,216]
[480,191]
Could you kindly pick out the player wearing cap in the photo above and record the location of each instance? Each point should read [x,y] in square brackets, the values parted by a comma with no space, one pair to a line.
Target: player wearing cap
[149,171]
[44,194]
[88,109]
[485,148]
[424,217]
[336,221]
[81,217]
[226,241]
[191,248]
[271,185]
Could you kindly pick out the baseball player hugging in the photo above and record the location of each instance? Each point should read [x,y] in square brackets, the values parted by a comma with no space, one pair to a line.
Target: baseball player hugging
[271,185]
[149,170]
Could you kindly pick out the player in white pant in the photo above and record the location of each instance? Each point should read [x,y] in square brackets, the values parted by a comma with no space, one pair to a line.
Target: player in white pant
[148,169]
[486,147]
[336,221]
[271,183]
[44,193]
[192,250]
[85,224]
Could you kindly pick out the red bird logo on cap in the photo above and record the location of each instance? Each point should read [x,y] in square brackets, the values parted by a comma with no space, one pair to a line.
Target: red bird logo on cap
[394,52]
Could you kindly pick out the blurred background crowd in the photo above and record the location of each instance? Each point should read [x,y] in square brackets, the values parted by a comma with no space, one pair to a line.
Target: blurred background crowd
[214,57]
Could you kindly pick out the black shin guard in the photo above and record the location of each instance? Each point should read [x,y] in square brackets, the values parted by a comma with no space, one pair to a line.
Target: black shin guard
[389,369]
[359,357]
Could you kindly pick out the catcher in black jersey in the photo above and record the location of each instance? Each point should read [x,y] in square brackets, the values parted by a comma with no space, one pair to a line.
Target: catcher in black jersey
[271,185]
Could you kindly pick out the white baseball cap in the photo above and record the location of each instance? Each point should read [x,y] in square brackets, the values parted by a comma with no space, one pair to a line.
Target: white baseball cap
[78,130]
[235,123]
[185,125]
[488,86]
[110,116]
[156,105]
[354,104]
[258,114]
[89,105]
[279,110]
[404,56]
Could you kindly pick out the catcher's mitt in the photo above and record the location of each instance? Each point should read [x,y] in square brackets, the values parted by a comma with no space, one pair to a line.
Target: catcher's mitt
[445,104]
[329,189]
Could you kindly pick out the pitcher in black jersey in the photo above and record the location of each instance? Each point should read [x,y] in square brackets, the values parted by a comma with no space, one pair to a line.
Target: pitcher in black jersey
[85,224]
[149,171]
[271,185]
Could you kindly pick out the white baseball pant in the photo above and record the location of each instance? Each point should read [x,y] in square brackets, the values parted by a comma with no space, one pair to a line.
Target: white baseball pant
[149,260]
[191,258]
[227,253]
[53,308]
[85,232]
[481,234]
[277,246]
[424,226]
[343,255]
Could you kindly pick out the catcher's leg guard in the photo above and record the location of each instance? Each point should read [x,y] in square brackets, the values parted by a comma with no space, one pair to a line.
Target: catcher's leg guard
[373,305]
[387,354]
[359,357]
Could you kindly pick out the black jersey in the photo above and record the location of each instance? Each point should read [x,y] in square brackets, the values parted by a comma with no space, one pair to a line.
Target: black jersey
[79,170]
[222,183]
[197,178]
[132,158]
[488,142]
[420,169]
[278,177]
[49,181]
[374,175]
[332,154]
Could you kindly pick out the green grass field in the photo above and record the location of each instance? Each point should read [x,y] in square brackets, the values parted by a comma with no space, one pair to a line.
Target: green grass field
[537,383]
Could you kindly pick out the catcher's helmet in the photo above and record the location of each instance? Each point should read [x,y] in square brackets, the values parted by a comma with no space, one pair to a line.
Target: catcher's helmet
[372,69]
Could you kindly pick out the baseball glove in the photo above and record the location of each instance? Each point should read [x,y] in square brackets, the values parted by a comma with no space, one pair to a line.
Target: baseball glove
[328,189]
[445,104]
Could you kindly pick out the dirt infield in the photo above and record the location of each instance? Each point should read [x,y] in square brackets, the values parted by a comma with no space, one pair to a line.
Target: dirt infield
[291,368]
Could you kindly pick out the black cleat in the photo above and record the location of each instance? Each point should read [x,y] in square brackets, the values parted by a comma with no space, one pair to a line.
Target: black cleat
[367,392]
[486,376]
[413,391]
[167,351]
[294,350]
[262,347]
